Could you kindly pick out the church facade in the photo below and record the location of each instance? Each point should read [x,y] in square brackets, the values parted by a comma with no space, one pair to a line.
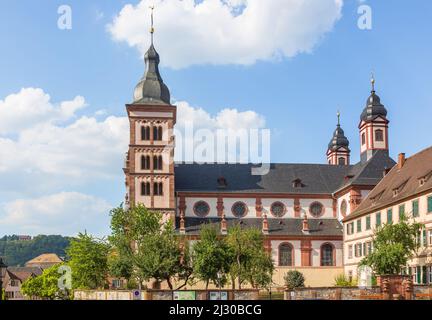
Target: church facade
[298,207]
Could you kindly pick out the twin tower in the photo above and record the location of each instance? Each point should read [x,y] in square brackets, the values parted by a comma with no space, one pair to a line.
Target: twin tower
[373,133]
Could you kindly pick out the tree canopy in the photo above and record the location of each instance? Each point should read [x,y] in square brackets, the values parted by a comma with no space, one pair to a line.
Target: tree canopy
[393,246]
[88,259]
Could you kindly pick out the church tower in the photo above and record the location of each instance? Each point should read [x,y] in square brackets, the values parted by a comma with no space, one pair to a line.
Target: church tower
[338,152]
[149,164]
[373,126]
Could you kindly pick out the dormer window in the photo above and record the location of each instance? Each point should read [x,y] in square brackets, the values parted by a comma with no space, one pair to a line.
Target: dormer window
[422,180]
[397,190]
[222,183]
[297,183]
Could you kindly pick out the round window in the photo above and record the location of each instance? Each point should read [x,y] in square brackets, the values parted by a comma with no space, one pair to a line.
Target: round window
[344,208]
[201,209]
[316,209]
[239,209]
[278,209]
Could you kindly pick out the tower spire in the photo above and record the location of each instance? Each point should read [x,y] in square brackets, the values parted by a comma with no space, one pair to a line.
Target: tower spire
[373,81]
[338,116]
[152,30]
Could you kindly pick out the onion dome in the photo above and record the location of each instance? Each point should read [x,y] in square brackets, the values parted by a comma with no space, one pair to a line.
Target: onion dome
[374,108]
[151,89]
[339,139]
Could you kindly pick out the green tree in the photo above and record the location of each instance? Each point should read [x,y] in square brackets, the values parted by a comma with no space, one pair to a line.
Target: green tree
[88,259]
[394,245]
[247,247]
[46,286]
[294,279]
[149,245]
[211,257]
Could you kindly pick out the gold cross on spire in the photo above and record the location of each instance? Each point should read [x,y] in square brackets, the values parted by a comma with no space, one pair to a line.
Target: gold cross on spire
[373,81]
[338,116]
[152,30]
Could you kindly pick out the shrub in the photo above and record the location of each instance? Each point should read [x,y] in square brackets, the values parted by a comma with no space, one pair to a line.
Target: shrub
[341,280]
[294,279]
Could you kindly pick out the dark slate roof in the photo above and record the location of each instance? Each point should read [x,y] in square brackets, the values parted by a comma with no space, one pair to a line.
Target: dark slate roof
[374,108]
[406,180]
[315,178]
[277,227]
[338,140]
[151,88]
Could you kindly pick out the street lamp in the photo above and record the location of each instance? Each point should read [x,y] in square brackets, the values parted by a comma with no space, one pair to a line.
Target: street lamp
[219,276]
[3,268]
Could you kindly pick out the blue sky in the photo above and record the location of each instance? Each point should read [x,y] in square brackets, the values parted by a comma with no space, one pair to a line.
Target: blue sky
[297,93]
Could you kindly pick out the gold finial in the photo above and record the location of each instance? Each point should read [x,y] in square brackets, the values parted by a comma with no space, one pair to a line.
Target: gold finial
[373,81]
[338,116]
[152,30]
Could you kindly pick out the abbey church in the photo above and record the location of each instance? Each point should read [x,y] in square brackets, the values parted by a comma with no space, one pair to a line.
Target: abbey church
[298,207]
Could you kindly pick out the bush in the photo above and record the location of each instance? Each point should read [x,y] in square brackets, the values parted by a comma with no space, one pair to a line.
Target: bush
[342,281]
[294,279]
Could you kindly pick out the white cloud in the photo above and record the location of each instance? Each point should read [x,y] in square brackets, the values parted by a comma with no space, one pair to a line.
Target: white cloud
[50,150]
[31,106]
[227,31]
[67,213]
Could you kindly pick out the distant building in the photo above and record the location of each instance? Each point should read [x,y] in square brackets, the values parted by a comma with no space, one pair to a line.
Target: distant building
[405,191]
[44,261]
[24,238]
[15,277]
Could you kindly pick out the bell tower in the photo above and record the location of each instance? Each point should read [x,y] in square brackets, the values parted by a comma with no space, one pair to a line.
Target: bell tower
[338,152]
[149,165]
[373,126]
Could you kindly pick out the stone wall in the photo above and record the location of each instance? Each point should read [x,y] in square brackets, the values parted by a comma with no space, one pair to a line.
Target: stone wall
[157,295]
[335,293]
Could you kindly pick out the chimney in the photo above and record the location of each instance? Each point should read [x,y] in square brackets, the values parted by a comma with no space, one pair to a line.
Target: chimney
[265,226]
[305,224]
[401,160]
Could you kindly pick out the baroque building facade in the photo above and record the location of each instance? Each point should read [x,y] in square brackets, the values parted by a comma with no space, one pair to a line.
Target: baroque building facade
[298,207]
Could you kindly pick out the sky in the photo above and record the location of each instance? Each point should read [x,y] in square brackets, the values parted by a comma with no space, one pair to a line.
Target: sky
[283,65]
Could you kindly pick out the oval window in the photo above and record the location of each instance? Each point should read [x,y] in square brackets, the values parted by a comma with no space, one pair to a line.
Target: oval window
[239,209]
[344,208]
[201,209]
[316,209]
[278,209]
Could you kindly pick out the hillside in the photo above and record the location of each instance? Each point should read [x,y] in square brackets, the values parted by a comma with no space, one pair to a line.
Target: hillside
[18,252]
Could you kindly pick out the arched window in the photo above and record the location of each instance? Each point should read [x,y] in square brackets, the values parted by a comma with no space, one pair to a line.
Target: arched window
[157,162]
[342,161]
[327,255]
[145,188]
[379,135]
[145,163]
[157,133]
[286,255]
[145,133]
[363,138]
[158,189]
